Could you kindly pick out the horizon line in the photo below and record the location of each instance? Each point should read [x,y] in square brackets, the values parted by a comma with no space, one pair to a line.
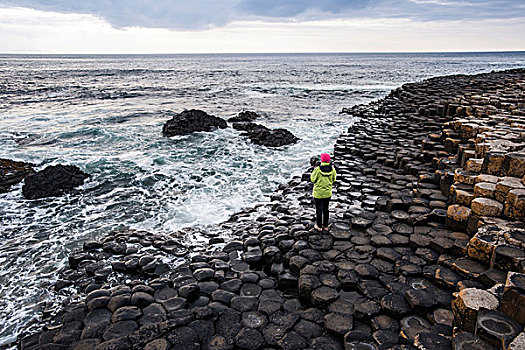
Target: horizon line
[253,53]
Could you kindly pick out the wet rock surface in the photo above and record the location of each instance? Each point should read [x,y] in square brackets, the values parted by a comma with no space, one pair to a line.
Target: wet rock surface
[244,116]
[261,135]
[191,121]
[13,172]
[53,181]
[272,137]
[407,263]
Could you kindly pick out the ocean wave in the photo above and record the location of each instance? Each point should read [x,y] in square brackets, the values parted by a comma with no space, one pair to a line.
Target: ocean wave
[318,89]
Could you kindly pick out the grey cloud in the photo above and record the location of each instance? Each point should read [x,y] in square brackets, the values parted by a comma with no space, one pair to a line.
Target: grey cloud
[291,8]
[175,14]
[202,14]
[433,10]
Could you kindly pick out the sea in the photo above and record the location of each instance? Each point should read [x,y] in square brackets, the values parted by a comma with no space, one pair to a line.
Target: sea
[104,113]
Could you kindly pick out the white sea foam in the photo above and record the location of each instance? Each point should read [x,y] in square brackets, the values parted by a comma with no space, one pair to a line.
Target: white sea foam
[256,94]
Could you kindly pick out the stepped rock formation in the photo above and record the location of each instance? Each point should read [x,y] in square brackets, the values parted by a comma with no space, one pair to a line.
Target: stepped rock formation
[426,249]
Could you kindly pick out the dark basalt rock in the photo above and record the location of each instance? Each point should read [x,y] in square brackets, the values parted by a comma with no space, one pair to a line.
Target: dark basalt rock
[395,305]
[323,296]
[386,339]
[208,287]
[218,342]
[249,338]
[153,314]
[244,116]
[141,299]
[184,338]
[164,294]
[222,296]
[495,326]
[284,319]
[244,304]
[158,344]
[272,137]
[269,302]
[98,293]
[465,340]
[428,340]
[205,329]
[228,325]
[249,127]
[190,291]
[120,329]
[115,344]
[250,289]
[308,329]
[292,341]
[126,313]
[174,304]
[53,181]
[203,274]
[338,324]
[263,136]
[190,121]
[253,255]
[232,285]
[12,172]
[98,303]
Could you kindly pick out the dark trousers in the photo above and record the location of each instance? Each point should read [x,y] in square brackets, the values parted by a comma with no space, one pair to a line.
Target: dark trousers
[321,211]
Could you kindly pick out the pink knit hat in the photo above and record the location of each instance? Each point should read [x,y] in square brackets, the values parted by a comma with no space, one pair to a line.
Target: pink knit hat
[325,158]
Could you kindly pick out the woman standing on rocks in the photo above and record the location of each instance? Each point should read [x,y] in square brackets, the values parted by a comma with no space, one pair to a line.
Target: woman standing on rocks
[323,178]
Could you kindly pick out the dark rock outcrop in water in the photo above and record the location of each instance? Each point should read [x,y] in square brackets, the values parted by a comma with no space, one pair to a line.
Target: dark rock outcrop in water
[261,135]
[13,172]
[272,137]
[191,121]
[249,126]
[244,116]
[426,249]
[53,181]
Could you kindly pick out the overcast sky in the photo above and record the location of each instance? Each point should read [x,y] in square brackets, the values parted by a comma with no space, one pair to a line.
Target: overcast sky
[198,26]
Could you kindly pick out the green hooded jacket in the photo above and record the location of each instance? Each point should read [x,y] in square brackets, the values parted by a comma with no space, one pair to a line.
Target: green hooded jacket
[323,178]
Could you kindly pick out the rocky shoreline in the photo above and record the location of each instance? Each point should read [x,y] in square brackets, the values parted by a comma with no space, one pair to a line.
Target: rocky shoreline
[426,249]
